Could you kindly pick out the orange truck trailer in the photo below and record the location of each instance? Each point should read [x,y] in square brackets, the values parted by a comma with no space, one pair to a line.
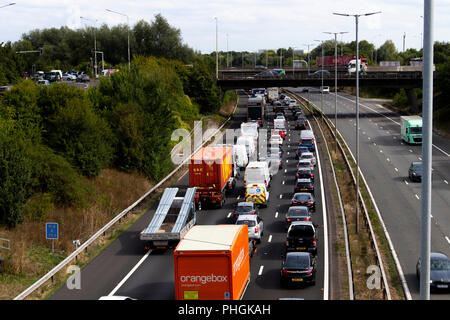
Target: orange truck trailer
[211,172]
[212,263]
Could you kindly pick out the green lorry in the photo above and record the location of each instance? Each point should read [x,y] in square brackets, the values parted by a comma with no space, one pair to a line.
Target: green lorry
[411,129]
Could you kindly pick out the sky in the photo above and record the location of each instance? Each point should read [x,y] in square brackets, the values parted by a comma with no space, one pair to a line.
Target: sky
[247,25]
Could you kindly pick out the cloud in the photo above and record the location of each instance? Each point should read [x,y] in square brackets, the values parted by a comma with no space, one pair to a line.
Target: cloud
[251,24]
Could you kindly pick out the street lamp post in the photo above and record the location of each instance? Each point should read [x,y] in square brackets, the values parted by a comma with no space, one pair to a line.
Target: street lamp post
[427,114]
[335,84]
[128,23]
[357,109]
[7,5]
[217,50]
[321,73]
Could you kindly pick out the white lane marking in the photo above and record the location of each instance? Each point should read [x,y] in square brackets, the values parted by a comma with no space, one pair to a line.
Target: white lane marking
[388,160]
[396,169]
[287,161]
[130,273]
[446,181]
[229,215]
[238,197]
[447,154]
[381,151]
[406,182]
[260,270]
[281,196]
[410,150]
[270,239]
[448,240]
[417,197]
[395,138]
[285,170]
[276,214]
[284,182]
[369,138]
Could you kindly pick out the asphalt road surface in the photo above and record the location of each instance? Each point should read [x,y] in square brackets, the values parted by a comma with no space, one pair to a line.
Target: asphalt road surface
[384,161]
[127,269]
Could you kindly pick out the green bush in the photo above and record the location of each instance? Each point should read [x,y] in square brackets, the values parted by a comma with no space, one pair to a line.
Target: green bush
[16,177]
[400,99]
[81,136]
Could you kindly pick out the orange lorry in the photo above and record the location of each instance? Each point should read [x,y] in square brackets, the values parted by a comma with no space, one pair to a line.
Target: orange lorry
[211,172]
[212,263]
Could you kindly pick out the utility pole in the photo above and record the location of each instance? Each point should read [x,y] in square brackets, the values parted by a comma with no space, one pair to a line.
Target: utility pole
[335,85]
[404,37]
[427,143]
[357,112]
[217,50]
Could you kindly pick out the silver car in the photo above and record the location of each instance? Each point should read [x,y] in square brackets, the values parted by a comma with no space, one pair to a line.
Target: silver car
[255,226]
[308,156]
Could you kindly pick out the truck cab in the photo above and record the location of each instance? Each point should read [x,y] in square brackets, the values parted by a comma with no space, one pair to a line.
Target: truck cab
[411,129]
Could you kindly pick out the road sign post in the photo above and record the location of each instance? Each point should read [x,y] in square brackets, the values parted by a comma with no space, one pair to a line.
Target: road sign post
[51,233]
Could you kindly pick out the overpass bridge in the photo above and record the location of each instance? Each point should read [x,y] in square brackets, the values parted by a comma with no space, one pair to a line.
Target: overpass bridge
[381,79]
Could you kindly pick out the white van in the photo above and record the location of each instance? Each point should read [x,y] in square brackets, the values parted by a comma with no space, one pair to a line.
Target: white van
[305,134]
[240,156]
[257,172]
[279,124]
[57,73]
[249,143]
[250,129]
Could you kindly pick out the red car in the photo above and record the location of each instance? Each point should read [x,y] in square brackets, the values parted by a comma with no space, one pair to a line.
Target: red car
[280,132]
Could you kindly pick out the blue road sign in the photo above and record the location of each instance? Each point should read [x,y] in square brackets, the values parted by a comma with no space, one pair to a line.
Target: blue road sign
[51,230]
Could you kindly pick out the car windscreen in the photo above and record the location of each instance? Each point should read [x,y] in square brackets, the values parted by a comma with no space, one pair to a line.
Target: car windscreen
[440,264]
[304,172]
[249,223]
[307,156]
[241,209]
[298,212]
[300,231]
[306,141]
[415,130]
[302,197]
[303,184]
[297,261]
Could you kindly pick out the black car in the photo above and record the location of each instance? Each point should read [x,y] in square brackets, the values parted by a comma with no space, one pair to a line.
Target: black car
[305,90]
[244,208]
[297,213]
[301,236]
[305,173]
[300,124]
[439,271]
[298,268]
[304,199]
[415,171]
[297,114]
[318,74]
[304,185]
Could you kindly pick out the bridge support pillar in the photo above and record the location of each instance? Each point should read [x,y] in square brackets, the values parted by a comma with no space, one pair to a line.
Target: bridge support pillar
[412,100]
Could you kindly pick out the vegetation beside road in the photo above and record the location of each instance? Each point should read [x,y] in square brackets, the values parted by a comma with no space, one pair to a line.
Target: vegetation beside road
[79,157]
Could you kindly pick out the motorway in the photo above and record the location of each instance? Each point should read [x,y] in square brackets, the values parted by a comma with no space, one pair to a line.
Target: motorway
[124,268]
[384,162]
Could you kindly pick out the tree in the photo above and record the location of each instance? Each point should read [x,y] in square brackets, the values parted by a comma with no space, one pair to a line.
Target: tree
[387,52]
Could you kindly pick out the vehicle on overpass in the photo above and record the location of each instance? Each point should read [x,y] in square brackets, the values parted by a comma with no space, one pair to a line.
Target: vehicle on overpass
[411,129]
[212,263]
[172,219]
[351,67]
